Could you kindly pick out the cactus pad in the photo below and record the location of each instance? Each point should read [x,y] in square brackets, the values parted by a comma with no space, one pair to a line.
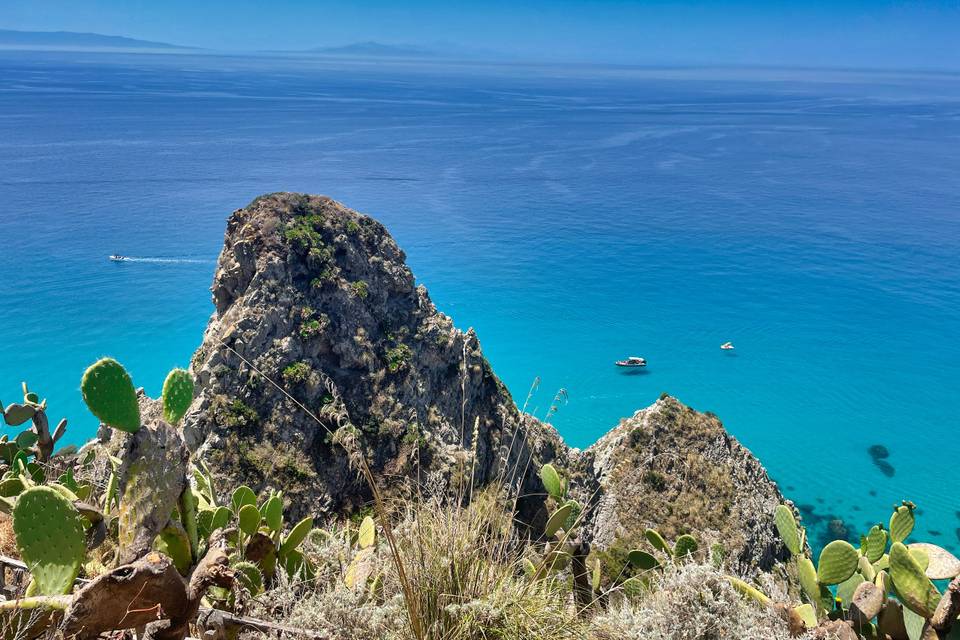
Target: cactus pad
[838,561]
[109,394]
[901,523]
[152,478]
[653,537]
[50,538]
[367,534]
[273,513]
[818,594]
[175,543]
[910,584]
[642,560]
[249,576]
[875,543]
[787,528]
[16,414]
[177,395]
[748,591]
[685,545]
[297,535]
[242,495]
[552,481]
[557,520]
[248,519]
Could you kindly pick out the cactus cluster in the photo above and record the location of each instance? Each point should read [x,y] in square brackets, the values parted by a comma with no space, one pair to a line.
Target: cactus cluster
[884,588]
[37,441]
[254,534]
[563,516]
[148,508]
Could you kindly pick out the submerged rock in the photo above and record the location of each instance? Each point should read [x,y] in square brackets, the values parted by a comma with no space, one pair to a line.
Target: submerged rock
[316,299]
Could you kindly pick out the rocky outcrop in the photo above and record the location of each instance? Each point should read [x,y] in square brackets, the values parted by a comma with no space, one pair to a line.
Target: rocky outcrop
[319,326]
[677,470]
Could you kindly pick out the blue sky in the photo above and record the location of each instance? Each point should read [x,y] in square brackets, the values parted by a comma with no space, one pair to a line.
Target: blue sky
[876,33]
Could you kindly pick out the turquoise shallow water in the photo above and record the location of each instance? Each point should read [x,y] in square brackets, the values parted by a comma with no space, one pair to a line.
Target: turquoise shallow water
[573,216]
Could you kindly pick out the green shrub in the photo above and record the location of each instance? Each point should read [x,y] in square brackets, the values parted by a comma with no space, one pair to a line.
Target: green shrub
[398,357]
[360,289]
[297,373]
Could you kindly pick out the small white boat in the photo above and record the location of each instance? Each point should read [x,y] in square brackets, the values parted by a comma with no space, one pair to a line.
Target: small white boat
[118,258]
[727,346]
[632,361]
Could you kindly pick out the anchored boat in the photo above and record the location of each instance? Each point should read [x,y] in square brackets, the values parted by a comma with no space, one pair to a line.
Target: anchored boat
[632,361]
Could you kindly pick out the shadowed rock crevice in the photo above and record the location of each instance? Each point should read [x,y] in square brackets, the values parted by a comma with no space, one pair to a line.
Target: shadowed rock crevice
[319,299]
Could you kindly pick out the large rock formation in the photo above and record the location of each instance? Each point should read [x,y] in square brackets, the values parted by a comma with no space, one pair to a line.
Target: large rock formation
[315,301]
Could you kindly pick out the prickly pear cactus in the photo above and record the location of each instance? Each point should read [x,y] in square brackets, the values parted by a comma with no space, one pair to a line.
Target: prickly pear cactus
[50,538]
[152,478]
[685,545]
[552,481]
[838,561]
[901,522]
[875,543]
[177,395]
[787,528]
[911,585]
[109,394]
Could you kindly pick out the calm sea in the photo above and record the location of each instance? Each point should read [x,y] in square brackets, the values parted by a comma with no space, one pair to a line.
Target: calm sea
[572,215]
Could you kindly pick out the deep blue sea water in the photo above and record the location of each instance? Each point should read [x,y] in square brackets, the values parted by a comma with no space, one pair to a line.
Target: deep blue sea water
[572,215]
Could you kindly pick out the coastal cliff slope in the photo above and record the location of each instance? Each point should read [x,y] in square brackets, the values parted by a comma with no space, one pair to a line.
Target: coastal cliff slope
[317,299]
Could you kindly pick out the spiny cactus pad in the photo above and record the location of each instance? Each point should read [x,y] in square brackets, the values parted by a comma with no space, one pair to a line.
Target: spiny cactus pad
[177,395]
[248,519]
[685,545]
[109,394]
[152,478]
[552,481]
[243,495]
[642,560]
[297,535]
[654,538]
[367,534]
[272,512]
[901,523]
[787,527]
[838,561]
[911,585]
[875,544]
[557,520]
[50,538]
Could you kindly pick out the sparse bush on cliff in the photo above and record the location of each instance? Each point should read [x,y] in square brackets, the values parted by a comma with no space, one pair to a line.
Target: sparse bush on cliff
[398,357]
[360,289]
[297,373]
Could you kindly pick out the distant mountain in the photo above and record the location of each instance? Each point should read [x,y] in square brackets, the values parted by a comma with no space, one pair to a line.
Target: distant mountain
[74,40]
[378,49]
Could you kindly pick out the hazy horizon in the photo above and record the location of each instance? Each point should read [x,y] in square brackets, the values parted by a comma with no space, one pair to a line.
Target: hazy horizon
[853,34]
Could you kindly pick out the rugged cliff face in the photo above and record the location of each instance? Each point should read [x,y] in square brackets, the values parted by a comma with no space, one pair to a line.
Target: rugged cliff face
[317,299]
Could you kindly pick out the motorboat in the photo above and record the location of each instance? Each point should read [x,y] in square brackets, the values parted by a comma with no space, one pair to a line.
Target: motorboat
[632,361]
[118,258]
[727,346]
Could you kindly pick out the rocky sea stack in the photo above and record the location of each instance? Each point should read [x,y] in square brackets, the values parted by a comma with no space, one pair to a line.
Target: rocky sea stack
[315,300]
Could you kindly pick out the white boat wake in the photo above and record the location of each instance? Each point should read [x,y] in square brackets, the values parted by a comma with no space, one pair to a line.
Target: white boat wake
[161,260]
